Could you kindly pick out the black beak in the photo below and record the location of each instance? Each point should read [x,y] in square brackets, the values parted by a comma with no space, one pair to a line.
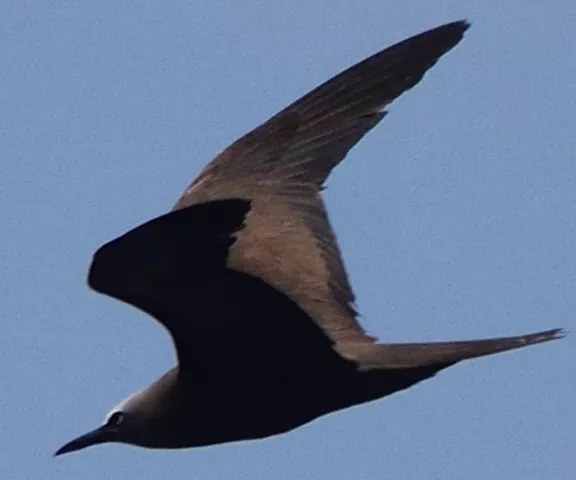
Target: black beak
[102,434]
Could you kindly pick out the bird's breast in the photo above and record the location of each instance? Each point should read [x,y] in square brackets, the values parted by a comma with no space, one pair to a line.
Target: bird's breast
[234,411]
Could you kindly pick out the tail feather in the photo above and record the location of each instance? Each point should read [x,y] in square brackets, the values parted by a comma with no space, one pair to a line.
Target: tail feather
[406,355]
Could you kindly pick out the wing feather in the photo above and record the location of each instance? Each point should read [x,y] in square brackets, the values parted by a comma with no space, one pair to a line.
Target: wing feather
[281,166]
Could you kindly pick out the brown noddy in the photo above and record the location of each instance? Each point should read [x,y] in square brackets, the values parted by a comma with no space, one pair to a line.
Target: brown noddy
[246,276]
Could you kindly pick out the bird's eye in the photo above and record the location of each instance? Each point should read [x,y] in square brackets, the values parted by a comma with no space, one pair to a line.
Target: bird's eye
[115,419]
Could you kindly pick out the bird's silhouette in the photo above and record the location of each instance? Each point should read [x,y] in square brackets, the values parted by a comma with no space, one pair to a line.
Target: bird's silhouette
[246,276]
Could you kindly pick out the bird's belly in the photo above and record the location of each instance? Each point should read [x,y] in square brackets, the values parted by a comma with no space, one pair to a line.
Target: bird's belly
[233,410]
[258,412]
[280,406]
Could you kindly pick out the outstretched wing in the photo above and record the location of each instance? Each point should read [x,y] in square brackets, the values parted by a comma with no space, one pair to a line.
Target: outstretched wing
[174,267]
[167,251]
[281,165]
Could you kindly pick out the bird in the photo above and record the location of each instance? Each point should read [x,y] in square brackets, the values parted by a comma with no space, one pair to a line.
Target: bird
[246,276]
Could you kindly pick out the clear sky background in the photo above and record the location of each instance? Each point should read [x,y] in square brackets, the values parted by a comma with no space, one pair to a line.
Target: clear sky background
[456,217]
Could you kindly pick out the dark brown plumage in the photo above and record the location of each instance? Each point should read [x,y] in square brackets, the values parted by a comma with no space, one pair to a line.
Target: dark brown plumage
[246,275]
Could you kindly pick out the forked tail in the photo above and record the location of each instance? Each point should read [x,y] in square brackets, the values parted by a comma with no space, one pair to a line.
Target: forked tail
[406,355]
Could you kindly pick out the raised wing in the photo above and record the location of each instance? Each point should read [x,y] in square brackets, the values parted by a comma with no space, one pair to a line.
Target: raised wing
[189,245]
[281,165]
[174,268]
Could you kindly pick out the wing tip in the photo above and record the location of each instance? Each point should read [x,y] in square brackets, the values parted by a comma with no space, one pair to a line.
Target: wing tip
[448,34]
[453,32]
[463,24]
[457,26]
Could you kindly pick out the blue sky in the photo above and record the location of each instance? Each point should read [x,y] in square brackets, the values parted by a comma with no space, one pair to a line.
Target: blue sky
[456,217]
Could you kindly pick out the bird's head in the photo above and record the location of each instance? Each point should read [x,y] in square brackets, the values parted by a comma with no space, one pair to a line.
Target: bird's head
[125,423]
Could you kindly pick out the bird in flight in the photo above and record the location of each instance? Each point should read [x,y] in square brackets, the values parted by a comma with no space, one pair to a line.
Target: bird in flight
[246,276]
